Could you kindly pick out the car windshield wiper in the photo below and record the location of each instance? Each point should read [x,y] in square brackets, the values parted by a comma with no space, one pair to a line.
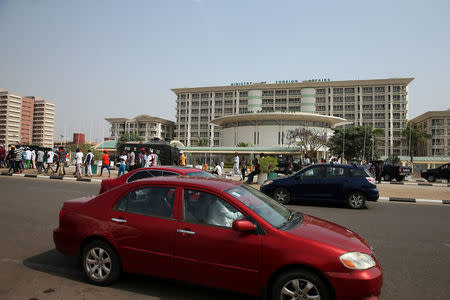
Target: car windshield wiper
[294,217]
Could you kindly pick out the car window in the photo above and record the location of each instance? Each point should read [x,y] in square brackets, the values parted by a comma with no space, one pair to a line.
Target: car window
[168,173]
[335,172]
[140,175]
[205,208]
[314,172]
[354,172]
[200,174]
[154,201]
[155,173]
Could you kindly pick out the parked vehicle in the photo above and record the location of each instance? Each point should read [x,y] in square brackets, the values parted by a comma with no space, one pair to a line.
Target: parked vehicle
[442,172]
[325,182]
[288,165]
[111,183]
[392,171]
[218,233]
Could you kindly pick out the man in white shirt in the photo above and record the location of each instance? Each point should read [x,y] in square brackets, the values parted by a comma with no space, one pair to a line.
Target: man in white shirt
[236,170]
[27,158]
[217,170]
[33,159]
[78,162]
[50,155]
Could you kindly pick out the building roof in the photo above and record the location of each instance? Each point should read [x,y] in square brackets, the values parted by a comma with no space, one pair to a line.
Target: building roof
[110,144]
[231,150]
[431,114]
[297,116]
[141,118]
[302,84]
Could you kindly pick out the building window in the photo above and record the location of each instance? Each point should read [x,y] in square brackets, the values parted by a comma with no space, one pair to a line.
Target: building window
[280,93]
[367,90]
[229,94]
[349,90]
[294,92]
[320,91]
[243,102]
[243,94]
[267,93]
[337,91]
[379,89]
[218,95]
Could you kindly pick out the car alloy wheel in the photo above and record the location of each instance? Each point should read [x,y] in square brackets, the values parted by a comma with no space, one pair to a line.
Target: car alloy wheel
[431,178]
[299,289]
[299,285]
[387,177]
[282,195]
[100,263]
[356,200]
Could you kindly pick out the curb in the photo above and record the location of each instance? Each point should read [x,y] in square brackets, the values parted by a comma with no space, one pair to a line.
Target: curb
[417,183]
[412,200]
[52,177]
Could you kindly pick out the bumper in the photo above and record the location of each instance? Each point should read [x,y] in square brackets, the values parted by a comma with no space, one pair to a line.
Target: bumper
[372,194]
[65,244]
[359,285]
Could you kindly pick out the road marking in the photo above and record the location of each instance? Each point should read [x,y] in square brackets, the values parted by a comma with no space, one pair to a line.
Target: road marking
[445,244]
[429,201]
[11,260]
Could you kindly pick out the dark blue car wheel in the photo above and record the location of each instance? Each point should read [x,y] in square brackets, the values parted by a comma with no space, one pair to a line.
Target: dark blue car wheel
[282,195]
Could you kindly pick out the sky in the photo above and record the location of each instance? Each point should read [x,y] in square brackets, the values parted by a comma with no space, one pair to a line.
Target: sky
[105,58]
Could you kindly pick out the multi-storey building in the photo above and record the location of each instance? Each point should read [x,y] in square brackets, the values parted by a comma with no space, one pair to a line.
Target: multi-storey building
[437,124]
[147,127]
[26,126]
[380,103]
[43,122]
[26,120]
[10,117]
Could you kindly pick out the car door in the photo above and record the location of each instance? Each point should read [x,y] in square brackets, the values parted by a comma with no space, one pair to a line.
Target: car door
[308,183]
[208,251]
[143,226]
[333,184]
[444,172]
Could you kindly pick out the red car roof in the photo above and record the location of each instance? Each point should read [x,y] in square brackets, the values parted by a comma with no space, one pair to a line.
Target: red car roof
[181,170]
[213,183]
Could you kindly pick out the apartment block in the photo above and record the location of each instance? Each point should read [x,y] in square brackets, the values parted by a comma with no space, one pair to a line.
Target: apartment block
[380,103]
[437,124]
[10,117]
[43,122]
[26,124]
[148,127]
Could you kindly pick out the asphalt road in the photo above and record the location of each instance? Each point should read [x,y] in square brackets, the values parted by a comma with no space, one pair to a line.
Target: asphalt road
[412,242]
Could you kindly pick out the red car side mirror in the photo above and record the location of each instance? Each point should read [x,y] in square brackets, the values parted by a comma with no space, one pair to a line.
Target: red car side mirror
[243,226]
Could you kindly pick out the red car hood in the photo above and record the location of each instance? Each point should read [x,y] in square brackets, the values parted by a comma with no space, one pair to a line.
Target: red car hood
[322,231]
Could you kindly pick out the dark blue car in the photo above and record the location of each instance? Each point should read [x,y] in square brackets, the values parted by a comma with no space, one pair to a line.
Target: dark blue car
[325,182]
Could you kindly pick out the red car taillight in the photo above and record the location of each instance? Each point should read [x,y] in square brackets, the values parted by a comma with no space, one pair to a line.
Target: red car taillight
[371,180]
[399,169]
[62,213]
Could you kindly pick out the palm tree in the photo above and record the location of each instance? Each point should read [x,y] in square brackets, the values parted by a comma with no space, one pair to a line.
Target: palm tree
[414,135]
[202,142]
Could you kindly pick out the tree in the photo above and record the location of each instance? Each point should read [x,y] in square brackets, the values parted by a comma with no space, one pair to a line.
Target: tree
[309,140]
[243,144]
[201,142]
[357,143]
[84,148]
[414,135]
[128,137]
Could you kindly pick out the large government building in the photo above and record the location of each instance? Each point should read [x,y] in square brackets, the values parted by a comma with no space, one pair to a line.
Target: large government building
[206,113]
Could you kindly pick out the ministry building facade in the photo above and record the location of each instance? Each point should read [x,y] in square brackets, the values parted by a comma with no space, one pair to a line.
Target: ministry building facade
[379,103]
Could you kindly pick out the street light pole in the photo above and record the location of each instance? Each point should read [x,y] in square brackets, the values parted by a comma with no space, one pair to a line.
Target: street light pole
[364,146]
[343,146]
[372,140]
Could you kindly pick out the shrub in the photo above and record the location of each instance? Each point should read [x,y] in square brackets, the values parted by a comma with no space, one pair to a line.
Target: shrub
[268,164]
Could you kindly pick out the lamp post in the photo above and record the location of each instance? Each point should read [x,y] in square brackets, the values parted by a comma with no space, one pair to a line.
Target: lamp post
[372,140]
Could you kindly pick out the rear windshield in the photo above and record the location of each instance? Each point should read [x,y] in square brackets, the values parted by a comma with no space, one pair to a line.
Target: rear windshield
[200,174]
[359,173]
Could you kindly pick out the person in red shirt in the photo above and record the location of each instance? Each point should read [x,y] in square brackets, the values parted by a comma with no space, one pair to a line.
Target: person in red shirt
[105,163]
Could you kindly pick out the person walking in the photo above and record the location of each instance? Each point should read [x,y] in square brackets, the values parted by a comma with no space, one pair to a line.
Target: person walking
[182,159]
[19,159]
[50,160]
[61,167]
[33,159]
[123,164]
[132,158]
[40,160]
[105,163]
[154,158]
[88,162]
[236,170]
[2,156]
[78,162]
[27,158]
[11,157]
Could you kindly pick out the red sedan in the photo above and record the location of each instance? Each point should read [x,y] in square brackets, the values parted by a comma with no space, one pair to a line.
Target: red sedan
[218,233]
[141,173]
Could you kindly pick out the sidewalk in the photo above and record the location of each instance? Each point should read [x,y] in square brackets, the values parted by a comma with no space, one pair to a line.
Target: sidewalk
[70,170]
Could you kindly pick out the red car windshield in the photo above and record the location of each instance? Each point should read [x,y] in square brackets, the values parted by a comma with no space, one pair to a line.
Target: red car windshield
[267,208]
[200,174]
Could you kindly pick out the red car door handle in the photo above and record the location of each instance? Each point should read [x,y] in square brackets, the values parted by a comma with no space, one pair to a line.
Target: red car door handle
[185,232]
[118,220]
